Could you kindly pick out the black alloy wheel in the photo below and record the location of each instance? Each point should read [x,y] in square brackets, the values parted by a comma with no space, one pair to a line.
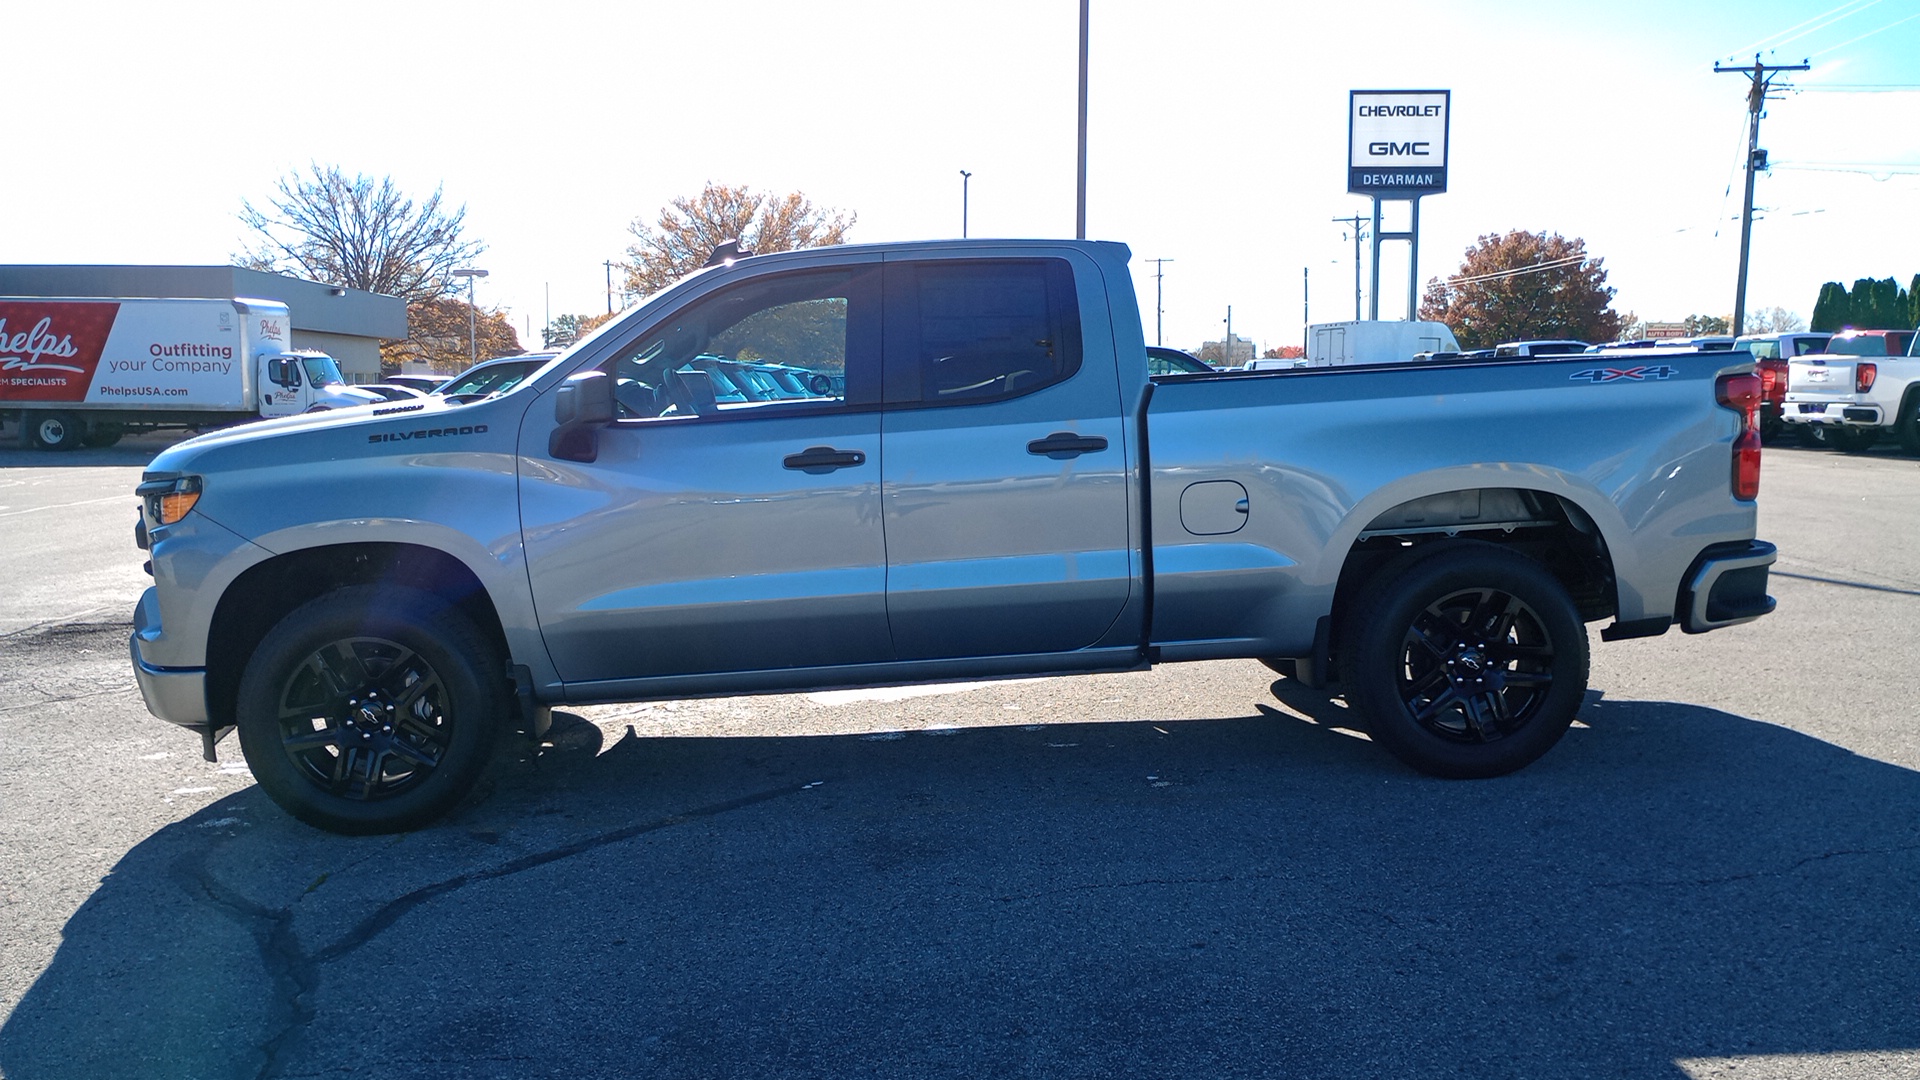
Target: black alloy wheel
[371,709]
[1468,660]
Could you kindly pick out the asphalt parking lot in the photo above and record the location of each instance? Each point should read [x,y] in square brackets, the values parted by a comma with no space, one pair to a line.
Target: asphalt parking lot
[1196,871]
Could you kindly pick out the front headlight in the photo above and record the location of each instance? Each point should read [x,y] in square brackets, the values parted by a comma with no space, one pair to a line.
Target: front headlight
[167,499]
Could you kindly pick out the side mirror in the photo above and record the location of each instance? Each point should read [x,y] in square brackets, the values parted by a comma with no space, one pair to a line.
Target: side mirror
[581,407]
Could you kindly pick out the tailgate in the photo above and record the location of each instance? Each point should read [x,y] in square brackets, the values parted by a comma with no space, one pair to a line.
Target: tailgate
[1820,379]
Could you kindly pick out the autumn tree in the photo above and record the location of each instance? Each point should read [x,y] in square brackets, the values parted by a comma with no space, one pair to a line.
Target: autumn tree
[564,330]
[1706,325]
[688,230]
[358,232]
[437,334]
[1285,352]
[1521,286]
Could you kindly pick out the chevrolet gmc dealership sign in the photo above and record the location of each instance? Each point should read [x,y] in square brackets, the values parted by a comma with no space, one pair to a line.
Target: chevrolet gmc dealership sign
[1397,142]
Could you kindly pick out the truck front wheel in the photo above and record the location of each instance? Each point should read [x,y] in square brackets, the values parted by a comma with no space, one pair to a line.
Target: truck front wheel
[371,709]
[1908,426]
[56,431]
[1469,662]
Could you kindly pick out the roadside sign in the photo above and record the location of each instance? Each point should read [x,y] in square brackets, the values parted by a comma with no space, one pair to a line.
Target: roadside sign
[1397,142]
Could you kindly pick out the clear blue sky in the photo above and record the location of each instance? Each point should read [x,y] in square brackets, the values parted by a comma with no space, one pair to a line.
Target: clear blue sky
[1217,133]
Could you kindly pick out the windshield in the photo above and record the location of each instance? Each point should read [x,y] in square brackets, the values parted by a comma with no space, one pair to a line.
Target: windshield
[321,370]
[493,380]
[1864,345]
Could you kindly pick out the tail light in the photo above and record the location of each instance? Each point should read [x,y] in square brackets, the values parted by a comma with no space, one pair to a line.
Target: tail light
[1864,374]
[1742,393]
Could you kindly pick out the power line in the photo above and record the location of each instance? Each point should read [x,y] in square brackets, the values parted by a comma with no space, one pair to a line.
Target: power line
[1867,35]
[1788,36]
[1536,268]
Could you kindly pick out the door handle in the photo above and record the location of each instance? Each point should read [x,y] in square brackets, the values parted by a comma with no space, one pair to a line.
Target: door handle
[1065,444]
[823,459]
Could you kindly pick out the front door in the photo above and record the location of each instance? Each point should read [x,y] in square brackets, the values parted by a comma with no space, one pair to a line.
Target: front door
[716,535]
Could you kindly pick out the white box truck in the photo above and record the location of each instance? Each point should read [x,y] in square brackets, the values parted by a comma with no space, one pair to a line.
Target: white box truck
[1375,342]
[88,370]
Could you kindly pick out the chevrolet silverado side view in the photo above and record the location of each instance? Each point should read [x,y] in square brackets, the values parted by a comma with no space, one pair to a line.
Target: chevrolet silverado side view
[976,479]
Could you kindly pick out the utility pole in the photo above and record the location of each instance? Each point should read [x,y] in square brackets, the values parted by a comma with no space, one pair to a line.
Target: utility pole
[1080,205]
[1762,76]
[609,265]
[1306,290]
[1227,353]
[1358,225]
[1159,304]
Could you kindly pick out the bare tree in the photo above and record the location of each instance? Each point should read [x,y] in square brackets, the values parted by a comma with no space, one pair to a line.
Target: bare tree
[1774,320]
[688,230]
[358,232]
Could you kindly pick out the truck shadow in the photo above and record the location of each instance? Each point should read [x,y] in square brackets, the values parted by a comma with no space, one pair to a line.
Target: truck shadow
[1259,896]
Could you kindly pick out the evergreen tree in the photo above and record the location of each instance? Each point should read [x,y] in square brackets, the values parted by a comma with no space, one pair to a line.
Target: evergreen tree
[1831,311]
[1913,305]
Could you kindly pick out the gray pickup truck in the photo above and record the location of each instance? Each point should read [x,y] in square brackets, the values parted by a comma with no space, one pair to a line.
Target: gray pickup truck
[966,473]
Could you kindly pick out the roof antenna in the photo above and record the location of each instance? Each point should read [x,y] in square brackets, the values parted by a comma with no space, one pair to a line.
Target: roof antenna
[725,252]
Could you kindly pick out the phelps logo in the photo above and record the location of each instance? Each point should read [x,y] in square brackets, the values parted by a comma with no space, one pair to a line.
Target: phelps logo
[427,433]
[1632,374]
[49,349]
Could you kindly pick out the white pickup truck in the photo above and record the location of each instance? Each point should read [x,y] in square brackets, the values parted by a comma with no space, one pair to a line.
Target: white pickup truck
[981,481]
[1863,385]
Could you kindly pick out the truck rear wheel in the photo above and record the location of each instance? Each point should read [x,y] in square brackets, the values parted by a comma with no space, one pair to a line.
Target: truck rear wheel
[371,709]
[101,436]
[1853,440]
[1468,662]
[56,431]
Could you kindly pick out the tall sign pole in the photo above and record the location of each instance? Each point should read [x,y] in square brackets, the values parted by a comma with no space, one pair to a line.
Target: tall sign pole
[1762,76]
[1080,202]
[1159,298]
[1397,151]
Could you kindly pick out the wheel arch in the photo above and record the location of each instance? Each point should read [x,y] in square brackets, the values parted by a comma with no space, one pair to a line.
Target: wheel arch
[266,592]
[1549,523]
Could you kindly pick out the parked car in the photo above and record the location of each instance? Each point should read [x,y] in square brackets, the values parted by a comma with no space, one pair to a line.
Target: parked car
[999,491]
[1550,347]
[426,384]
[1770,355]
[393,391]
[490,377]
[1165,361]
[1855,391]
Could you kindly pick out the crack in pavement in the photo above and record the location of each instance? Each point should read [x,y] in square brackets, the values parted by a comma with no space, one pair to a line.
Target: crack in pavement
[1754,875]
[295,974]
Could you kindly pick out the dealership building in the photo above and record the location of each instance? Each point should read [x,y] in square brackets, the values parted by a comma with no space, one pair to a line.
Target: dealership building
[347,324]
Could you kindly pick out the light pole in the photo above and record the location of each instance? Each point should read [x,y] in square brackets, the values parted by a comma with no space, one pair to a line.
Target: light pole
[473,333]
[965,176]
[1080,202]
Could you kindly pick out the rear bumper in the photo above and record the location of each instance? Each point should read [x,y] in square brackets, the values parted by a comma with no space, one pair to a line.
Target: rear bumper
[1727,586]
[1836,413]
[177,695]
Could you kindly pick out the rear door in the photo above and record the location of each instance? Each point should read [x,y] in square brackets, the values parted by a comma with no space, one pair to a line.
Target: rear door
[1004,480]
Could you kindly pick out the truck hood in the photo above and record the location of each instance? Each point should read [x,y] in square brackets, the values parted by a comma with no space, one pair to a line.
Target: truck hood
[332,434]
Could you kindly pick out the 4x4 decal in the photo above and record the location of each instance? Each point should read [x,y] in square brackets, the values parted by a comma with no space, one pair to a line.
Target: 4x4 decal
[1632,374]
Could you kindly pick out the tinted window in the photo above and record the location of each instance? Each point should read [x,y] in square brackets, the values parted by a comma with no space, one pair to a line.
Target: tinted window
[963,332]
[820,326]
[1864,345]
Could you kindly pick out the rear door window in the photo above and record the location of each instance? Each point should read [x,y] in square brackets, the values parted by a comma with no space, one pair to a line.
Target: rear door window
[971,331]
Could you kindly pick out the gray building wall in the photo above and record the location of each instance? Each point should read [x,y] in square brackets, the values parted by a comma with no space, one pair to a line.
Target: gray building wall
[346,323]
